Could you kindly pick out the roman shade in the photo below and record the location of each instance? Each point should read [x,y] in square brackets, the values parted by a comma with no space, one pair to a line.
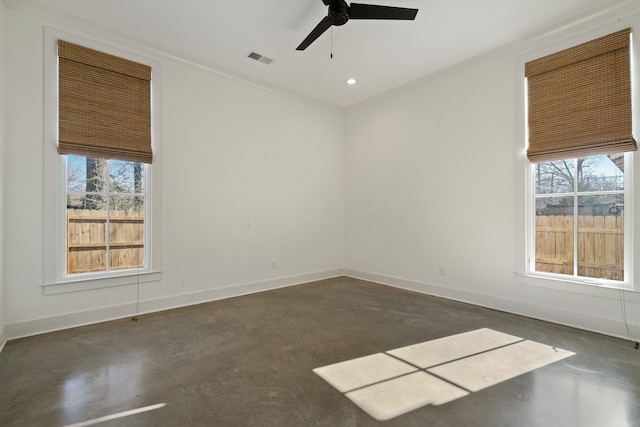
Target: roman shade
[104,105]
[579,100]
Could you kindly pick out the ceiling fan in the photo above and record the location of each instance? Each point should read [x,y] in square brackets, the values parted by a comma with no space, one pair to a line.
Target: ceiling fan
[340,12]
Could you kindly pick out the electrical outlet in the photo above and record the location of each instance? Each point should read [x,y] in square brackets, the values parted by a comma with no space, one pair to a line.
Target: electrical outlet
[441,271]
[274,264]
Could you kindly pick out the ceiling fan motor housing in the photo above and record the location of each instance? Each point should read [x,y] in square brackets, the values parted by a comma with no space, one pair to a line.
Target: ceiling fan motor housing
[338,14]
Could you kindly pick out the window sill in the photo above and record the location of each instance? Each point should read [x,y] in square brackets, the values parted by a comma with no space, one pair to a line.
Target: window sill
[86,283]
[578,287]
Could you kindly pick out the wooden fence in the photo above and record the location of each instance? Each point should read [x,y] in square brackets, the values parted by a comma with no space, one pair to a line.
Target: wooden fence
[600,245]
[86,243]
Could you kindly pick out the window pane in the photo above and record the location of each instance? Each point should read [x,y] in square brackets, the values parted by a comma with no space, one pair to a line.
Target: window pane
[104,231]
[126,232]
[96,179]
[76,174]
[86,240]
[554,229]
[601,236]
[551,206]
[125,177]
[598,251]
[601,173]
[554,177]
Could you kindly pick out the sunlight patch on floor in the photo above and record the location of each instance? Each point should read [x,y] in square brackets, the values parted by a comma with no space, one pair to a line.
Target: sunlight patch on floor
[118,415]
[363,371]
[486,369]
[386,385]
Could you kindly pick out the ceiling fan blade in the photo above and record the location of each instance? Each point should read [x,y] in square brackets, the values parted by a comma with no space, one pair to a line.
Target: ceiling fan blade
[323,26]
[370,11]
[335,2]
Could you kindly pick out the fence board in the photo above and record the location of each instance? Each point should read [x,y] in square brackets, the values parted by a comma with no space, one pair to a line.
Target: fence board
[600,245]
[86,240]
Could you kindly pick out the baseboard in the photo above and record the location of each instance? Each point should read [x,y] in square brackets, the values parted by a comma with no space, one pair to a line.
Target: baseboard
[3,337]
[573,319]
[184,300]
[71,320]
[564,317]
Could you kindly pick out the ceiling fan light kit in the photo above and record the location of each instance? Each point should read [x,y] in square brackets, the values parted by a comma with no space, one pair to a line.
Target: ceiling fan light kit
[340,13]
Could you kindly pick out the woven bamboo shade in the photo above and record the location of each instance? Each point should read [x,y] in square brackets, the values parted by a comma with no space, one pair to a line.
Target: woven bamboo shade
[580,100]
[104,105]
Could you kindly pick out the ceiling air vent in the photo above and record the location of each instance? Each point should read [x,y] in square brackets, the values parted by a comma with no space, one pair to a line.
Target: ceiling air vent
[260,58]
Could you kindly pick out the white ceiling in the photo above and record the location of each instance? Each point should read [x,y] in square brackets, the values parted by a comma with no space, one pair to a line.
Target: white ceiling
[381,55]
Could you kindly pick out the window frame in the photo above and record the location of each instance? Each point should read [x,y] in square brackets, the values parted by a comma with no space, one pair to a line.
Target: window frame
[525,273]
[64,235]
[56,280]
[628,237]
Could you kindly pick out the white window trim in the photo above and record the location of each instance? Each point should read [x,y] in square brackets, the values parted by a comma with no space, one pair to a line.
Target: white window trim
[628,224]
[55,279]
[525,244]
[62,241]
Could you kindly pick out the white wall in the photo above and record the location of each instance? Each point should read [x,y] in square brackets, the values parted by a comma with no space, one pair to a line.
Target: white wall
[248,177]
[401,190]
[2,168]
[433,185]
[430,179]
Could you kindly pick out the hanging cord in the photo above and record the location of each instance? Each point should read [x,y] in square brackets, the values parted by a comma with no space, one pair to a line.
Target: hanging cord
[140,172]
[623,311]
[621,290]
[331,56]
[135,317]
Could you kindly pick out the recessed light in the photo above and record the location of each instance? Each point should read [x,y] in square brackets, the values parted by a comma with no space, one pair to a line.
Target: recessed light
[351,82]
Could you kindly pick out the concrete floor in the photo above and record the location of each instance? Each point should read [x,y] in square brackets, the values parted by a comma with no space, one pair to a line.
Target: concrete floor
[248,361]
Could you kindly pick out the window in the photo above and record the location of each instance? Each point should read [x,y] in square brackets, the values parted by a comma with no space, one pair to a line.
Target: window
[579,217]
[104,215]
[104,128]
[579,168]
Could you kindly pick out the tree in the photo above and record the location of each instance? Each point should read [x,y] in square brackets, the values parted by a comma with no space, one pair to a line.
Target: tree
[138,169]
[96,183]
[101,182]
[126,180]
[587,176]
[560,176]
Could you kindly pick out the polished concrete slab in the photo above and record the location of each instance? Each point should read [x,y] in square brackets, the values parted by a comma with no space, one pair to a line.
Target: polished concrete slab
[249,361]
